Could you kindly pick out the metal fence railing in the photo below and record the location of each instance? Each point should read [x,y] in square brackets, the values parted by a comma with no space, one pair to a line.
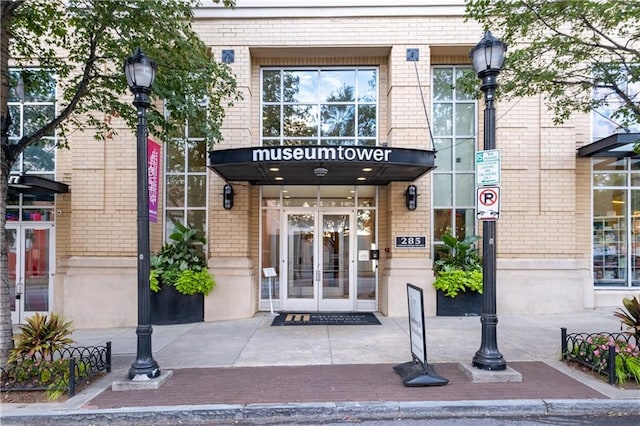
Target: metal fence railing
[597,351]
[61,371]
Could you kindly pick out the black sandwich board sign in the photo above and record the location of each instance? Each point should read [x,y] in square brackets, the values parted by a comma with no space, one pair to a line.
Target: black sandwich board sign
[417,372]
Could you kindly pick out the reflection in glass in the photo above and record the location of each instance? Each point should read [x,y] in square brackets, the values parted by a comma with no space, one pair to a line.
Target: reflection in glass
[14,126]
[465,154]
[335,256]
[271,86]
[611,164]
[338,142]
[39,157]
[300,270]
[270,196]
[367,85]
[197,219]
[366,281]
[443,119]
[442,84]
[175,157]
[444,159]
[196,124]
[196,191]
[197,156]
[300,120]
[609,179]
[36,116]
[271,120]
[36,270]
[11,245]
[172,217]
[270,252]
[465,119]
[175,190]
[460,94]
[31,85]
[300,86]
[367,120]
[337,120]
[442,221]
[319,102]
[465,189]
[337,86]
[442,190]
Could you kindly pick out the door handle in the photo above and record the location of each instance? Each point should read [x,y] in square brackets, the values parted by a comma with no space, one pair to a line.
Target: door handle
[318,275]
[19,287]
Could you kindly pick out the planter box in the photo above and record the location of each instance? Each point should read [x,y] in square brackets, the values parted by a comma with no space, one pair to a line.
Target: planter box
[465,304]
[168,306]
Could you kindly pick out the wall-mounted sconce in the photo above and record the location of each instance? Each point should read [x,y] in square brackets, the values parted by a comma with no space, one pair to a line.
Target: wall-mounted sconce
[227,197]
[412,197]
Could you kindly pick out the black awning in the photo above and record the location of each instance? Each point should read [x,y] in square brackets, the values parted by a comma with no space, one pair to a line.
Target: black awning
[618,145]
[321,165]
[27,184]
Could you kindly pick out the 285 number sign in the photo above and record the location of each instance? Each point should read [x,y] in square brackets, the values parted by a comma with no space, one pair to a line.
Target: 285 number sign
[411,242]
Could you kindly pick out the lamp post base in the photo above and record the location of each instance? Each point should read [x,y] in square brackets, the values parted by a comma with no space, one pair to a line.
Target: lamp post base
[488,356]
[144,365]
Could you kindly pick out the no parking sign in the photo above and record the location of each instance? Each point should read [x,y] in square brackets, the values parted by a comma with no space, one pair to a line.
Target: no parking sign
[488,203]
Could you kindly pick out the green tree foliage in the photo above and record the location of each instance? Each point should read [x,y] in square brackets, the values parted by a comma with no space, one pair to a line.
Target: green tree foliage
[566,49]
[84,43]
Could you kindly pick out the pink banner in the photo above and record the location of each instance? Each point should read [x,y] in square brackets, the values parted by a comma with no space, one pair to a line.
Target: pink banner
[153,161]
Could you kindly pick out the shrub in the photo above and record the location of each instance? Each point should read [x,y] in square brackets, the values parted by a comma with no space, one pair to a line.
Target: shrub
[40,337]
[631,316]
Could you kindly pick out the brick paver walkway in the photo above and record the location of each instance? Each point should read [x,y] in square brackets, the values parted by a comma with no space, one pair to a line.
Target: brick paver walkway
[339,383]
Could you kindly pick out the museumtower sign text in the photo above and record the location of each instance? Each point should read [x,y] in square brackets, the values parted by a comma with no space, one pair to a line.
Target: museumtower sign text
[321,153]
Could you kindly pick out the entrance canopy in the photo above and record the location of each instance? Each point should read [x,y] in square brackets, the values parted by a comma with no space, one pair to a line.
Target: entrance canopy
[27,184]
[321,164]
[618,145]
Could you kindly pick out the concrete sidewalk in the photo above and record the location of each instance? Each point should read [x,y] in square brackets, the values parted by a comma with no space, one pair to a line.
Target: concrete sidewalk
[248,372]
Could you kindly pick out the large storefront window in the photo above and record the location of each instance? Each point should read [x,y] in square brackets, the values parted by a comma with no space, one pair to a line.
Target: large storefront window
[185,194]
[313,106]
[454,130]
[31,102]
[616,222]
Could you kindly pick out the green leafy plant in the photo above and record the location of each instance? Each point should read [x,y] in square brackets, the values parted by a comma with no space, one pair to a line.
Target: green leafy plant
[180,263]
[631,316]
[460,270]
[454,282]
[60,377]
[40,337]
[594,351]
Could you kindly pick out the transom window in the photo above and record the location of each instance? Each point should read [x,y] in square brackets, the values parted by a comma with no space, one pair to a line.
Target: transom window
[454,130]
[326,106]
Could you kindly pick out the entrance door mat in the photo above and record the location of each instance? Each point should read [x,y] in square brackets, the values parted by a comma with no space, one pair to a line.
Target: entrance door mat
[326,318]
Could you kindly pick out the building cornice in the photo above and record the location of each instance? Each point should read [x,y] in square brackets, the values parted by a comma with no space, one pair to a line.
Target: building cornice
[329,8]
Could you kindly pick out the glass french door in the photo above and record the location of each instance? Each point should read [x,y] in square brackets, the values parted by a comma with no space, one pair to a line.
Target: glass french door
[30,261]
[318,263]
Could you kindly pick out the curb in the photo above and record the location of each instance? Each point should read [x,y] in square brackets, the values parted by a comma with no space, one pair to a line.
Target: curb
[324,412]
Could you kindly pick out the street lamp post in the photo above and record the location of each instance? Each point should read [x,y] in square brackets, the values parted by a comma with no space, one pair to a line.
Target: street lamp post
[488,58]
[140,72]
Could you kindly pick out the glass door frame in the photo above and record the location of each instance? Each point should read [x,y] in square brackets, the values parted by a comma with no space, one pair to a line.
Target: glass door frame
[18,284]
[317,302]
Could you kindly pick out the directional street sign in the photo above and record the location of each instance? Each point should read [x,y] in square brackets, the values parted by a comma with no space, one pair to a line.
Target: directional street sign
[488,167]
[488,203]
